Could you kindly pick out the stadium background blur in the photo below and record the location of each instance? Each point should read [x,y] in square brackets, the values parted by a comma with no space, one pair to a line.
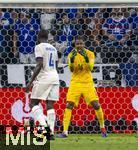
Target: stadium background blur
[115,44]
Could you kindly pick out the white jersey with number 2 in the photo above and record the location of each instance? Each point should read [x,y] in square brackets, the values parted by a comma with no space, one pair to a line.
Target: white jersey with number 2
[48,74]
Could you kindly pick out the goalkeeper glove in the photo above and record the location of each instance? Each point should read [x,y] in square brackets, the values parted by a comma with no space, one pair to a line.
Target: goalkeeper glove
[84,54]
[74,53]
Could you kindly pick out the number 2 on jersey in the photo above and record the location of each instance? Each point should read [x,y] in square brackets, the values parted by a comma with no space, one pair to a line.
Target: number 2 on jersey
[51,61]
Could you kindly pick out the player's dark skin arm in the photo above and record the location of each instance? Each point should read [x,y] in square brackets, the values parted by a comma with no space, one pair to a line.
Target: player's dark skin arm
[37,69]
[57,66]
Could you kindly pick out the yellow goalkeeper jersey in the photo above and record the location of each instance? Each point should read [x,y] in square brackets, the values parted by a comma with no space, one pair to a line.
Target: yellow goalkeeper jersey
[82,70]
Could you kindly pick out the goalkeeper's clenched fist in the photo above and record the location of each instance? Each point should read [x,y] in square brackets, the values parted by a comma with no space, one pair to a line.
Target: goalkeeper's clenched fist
[84,54]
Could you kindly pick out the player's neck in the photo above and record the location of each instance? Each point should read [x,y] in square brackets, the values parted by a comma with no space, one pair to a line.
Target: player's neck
[43,41]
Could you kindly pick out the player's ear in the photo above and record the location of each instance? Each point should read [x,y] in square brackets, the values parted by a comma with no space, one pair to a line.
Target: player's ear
[38,41]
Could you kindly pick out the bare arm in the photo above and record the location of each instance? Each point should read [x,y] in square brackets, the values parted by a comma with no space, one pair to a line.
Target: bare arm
[35,73]
[57,66]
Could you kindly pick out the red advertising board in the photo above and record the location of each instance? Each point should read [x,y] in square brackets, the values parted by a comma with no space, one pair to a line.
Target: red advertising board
[116,103]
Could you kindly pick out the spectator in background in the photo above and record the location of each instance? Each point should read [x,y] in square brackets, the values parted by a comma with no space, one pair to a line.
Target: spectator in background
[132,42]
[14,15]
[133,58]
[26,29]
[117,29]
[59,46]
[48,18]
[51,20]
[94,33]
[77,22]
[6,37]
[64,35]
[133,20]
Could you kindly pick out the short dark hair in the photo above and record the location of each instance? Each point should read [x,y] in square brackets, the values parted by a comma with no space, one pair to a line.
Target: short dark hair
[43,34]
[79,38]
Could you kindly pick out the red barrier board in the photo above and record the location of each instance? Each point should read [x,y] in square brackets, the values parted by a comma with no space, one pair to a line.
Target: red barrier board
[116,103]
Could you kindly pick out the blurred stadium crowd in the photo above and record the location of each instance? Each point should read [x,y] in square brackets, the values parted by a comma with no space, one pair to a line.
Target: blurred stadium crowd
[112,33]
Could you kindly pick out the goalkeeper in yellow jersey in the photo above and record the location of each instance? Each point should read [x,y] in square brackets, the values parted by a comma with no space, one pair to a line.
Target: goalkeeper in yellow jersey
[81,63]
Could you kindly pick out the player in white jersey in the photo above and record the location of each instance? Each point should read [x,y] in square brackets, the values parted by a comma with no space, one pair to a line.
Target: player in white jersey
[45,81]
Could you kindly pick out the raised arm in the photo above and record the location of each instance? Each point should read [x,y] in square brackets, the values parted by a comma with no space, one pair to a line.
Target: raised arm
[91,62]
[71,59]
[88,58]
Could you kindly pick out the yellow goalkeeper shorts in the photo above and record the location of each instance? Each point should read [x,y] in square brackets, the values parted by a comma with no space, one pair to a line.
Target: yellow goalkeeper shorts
[87,90]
